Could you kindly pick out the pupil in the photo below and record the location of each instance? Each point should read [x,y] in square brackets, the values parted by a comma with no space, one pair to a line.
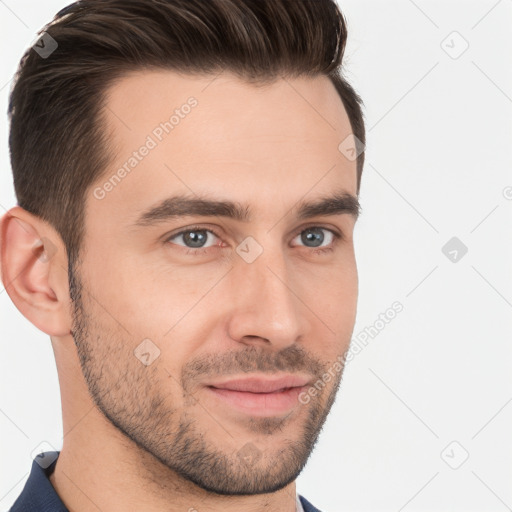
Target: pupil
[314,235]
[196,240]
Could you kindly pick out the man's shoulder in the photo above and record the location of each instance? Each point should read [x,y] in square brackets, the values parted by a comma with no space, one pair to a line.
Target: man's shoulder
[307,506]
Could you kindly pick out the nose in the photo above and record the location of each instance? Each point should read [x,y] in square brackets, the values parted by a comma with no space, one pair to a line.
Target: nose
[267,308]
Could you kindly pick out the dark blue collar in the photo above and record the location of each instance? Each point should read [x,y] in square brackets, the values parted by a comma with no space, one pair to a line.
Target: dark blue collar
[38,493]
[306,505]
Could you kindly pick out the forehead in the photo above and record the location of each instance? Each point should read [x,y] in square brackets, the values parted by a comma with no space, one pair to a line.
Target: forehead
[172,133]
[144,93]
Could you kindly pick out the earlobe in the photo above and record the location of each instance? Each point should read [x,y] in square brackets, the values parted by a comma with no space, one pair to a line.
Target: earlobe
[33,271]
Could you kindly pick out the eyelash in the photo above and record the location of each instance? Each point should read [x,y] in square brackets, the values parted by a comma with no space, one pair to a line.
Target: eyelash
[196,252]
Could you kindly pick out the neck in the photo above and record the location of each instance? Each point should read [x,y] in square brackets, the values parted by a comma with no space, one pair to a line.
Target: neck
[92,474]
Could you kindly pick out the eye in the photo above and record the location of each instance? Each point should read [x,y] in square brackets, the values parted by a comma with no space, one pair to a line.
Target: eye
[194,238]
[314,235]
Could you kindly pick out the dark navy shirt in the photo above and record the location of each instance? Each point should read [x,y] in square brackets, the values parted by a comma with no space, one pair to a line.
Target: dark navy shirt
[38,495]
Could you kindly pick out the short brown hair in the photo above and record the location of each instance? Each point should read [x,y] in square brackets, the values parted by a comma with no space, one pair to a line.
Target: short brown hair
[57,145]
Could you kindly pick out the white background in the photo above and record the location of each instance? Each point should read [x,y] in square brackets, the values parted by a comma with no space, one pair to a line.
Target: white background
[439,155]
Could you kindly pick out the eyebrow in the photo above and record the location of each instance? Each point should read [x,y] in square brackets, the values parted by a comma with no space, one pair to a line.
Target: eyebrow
[183,206]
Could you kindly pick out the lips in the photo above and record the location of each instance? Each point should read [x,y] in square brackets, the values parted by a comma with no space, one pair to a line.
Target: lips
[259,396]
[262,385]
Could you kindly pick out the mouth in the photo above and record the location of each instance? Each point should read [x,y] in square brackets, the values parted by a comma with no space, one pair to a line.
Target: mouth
[260,396]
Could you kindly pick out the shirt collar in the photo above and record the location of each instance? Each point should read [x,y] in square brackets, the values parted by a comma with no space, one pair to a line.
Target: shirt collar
[38,493]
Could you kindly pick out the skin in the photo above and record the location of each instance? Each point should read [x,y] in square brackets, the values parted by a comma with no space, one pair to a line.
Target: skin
[140,437]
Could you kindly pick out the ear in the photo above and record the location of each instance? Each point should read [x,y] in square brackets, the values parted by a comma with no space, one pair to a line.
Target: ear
[33,264]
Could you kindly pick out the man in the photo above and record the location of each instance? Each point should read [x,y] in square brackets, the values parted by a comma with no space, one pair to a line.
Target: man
[187,174]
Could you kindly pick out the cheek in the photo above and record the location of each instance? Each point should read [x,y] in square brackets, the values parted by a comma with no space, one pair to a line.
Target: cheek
[333,291]
[143,303]
[335,306]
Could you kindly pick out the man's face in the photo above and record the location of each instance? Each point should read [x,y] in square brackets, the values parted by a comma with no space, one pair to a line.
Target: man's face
[163,319]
